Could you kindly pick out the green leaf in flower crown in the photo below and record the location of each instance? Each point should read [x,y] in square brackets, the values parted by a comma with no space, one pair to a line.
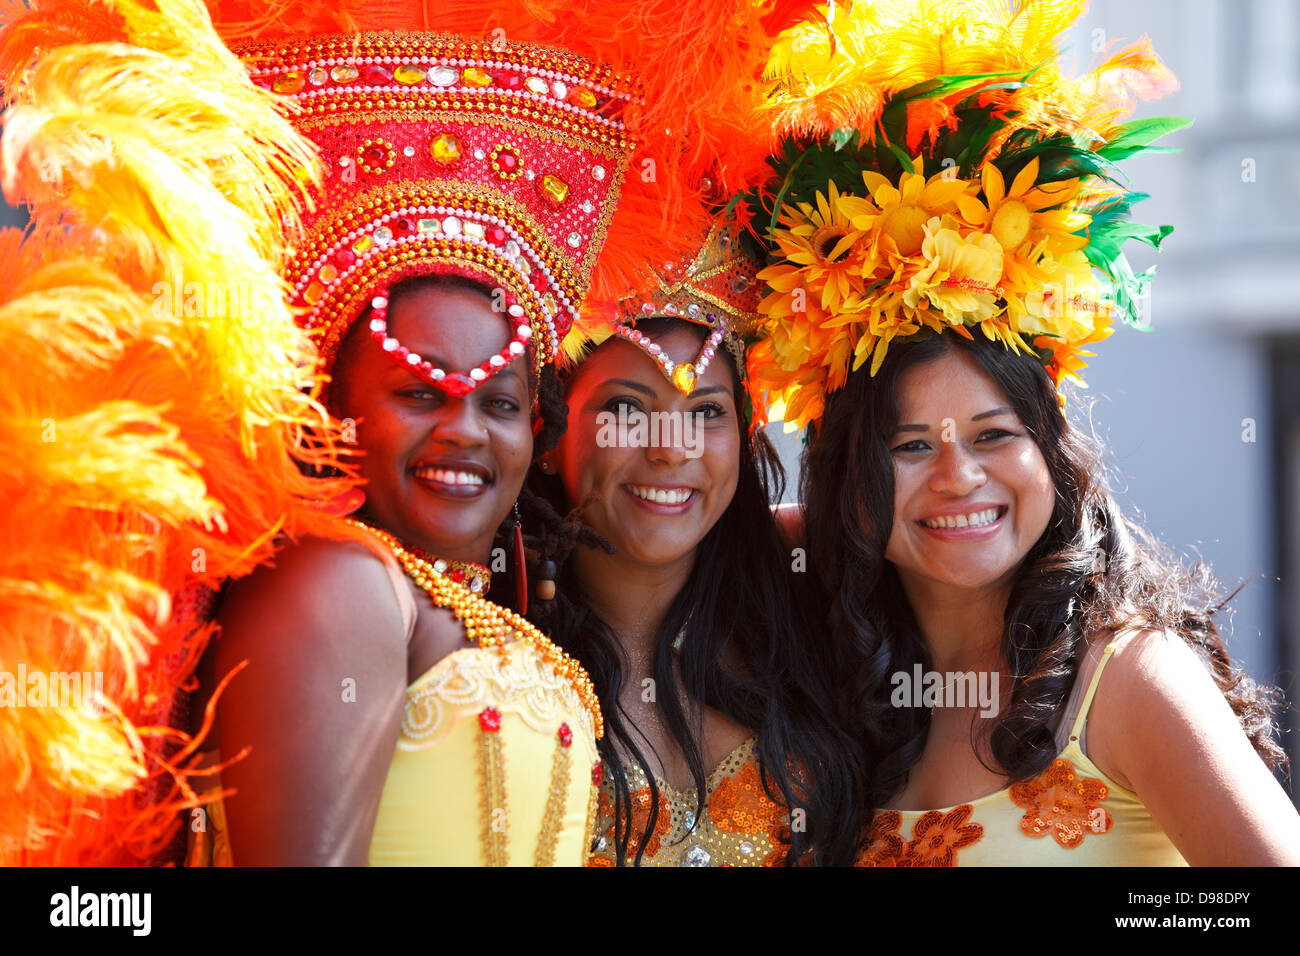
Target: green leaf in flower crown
[1137,137]
[893,120]
[903,159]
[786,185]
[842,137]
[968,145]
[1130,291]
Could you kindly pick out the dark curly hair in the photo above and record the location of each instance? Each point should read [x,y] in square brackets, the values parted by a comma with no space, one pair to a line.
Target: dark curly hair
[1092,569]
[740,598]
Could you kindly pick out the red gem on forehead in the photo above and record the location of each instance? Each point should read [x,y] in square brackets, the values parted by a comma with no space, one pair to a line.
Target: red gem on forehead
[374,73]
[403,227]
[344,258]
[497,235]
[456,385]
[510,80]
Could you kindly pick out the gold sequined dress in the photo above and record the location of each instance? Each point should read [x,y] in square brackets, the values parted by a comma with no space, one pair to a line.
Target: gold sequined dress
[740,824]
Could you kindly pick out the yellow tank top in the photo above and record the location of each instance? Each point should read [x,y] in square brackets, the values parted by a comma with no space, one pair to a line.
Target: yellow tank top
[495,765]
[1070,815]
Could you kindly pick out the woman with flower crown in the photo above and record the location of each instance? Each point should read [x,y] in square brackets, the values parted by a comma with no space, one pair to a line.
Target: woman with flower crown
[1033,679]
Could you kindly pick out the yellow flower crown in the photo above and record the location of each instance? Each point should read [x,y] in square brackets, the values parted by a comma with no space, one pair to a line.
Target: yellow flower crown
[1005,214]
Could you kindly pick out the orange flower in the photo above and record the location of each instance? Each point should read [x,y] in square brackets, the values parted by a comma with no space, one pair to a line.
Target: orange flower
[640,816]
[1061,803]
[739,804]
[641,803]
[885,844]
[937,837]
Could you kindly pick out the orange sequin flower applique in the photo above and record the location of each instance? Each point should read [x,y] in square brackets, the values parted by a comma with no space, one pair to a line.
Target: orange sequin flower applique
[739,804]
[640,817]
[641,802]
[885,845]
[1063,804]
[936,838]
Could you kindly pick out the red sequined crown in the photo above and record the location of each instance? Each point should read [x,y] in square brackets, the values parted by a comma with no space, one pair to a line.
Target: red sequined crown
[495,160]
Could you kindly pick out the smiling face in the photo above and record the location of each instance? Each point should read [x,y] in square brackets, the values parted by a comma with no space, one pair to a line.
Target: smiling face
[654,503]
[972,492]
[441,472]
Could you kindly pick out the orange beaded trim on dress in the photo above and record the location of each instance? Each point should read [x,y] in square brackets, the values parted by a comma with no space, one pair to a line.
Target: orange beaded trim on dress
[489,624]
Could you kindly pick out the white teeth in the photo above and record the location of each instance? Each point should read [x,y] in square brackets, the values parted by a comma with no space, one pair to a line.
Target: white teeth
[663,496]
[976,520]
[449,477]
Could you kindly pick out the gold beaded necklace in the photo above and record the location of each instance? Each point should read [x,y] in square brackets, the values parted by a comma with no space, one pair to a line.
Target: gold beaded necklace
[486,623]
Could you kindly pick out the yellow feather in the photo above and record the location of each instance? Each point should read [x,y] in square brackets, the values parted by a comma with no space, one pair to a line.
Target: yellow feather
[158,395]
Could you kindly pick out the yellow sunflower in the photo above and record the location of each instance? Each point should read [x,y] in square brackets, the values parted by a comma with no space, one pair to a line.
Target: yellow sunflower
[903,210]
[822,249]
[1022,217]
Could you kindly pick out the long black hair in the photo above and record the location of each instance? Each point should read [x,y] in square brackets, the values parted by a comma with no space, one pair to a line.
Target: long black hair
[736,605]
[1092,569]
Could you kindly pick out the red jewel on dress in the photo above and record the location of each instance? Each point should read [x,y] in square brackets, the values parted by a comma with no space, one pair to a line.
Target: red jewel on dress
[596,773]
[566,736]
[490,719]
[497,235]
[457,575]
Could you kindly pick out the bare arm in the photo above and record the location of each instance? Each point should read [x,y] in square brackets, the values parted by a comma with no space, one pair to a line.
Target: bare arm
[319,705]
[1160,726]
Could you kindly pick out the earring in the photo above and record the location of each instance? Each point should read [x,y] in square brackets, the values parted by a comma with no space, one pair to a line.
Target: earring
[347,503]
[521,566]
[544,465]
[545,581]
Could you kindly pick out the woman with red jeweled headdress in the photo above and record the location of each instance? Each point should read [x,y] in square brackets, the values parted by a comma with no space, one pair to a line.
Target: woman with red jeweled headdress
[459,192]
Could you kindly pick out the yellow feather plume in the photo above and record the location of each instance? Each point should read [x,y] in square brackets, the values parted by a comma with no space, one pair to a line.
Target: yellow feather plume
[158,401]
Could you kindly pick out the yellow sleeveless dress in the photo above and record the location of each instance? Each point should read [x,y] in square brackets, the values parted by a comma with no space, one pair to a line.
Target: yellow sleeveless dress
[1070,815]
[495,765]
